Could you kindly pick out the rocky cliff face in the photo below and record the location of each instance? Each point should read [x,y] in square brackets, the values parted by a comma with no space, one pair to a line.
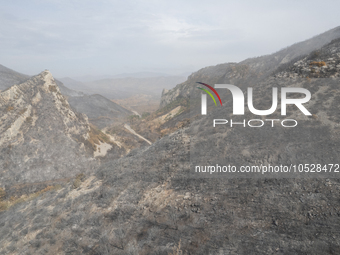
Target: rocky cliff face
[42,138]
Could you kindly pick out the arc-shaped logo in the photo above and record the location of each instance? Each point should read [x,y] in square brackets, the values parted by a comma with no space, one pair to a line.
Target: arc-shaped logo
[204,97]
[212,89]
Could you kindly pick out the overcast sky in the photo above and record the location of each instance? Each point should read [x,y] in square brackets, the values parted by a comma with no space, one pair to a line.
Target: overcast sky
[81,37]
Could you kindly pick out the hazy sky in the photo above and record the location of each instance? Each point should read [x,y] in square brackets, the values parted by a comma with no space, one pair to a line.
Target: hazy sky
[81,37]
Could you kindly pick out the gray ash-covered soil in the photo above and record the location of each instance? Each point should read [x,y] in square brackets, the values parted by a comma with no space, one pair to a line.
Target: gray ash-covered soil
[146,204]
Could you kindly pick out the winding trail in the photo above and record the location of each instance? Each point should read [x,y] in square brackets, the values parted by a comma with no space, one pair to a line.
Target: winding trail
[134,133]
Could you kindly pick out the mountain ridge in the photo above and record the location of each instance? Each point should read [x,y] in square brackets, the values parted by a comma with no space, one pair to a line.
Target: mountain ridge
[41,135]
[248,70]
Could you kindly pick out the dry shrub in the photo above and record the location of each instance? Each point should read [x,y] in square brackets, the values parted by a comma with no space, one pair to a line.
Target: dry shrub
[79,179]
[318,63]
[177,249]
[9,108]
[2,194]
[52,88]
[29,119]
[23,111]
[4,205]
[97,136]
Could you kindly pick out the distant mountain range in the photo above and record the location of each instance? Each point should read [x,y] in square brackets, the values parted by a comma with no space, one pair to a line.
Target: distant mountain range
[92,78]
[100,110]
[119,88]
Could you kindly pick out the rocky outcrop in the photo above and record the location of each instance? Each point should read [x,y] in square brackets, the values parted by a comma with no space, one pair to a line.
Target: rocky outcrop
[41,137]
[322,63]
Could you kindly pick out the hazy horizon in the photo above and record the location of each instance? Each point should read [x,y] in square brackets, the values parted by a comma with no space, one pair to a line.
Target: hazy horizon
[79,38]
